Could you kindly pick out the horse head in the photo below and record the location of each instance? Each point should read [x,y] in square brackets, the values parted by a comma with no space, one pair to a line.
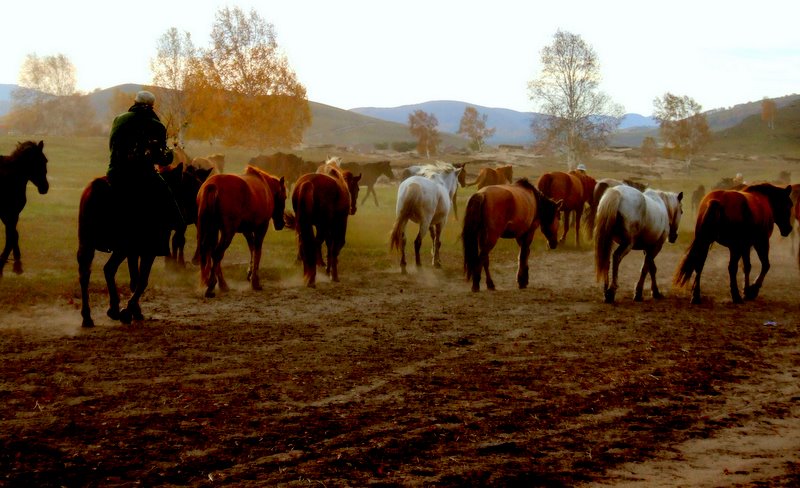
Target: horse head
[675,211]
[549,212]
[36,163]
[781,202]
[278,187]
[385,169]
[352,188]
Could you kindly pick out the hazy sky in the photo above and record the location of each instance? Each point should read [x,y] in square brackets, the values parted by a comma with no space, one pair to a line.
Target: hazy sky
[351,53]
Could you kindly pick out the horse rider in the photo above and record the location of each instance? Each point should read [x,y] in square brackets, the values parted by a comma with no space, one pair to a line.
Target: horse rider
[581,167]
[138,142]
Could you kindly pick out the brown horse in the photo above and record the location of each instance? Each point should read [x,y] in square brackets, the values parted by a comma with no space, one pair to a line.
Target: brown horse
[507,211]
[502,175]
[370,172]
[26,163]
[290,166]
[569,188]
[322,201]
[739,220]
[231,204]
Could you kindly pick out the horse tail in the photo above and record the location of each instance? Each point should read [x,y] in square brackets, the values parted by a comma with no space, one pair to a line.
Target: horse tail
[304,226]
[412,196]
[705,232]
[607,212]
[593,204]
[471,235]
[208,218]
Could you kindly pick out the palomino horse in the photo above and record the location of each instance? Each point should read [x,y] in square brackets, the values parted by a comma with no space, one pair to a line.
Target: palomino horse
[507,211]
[567,187]
[600,188]
[322,201]
[424,168]
[502,175]
[231,204]
[26,163]
[739,220]
[634,220]
[424,198]
[370,172]
[184,182]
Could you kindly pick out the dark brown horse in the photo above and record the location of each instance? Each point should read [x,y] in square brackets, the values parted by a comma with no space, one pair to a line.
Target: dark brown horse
[134,238]
[322,201]
[184,182]
[231,204]
[739,220]
[507,211]
[26,163]
[290,166]
[370,172]
[569,188]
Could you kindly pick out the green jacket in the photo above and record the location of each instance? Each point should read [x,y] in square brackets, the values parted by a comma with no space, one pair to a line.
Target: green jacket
[138,141]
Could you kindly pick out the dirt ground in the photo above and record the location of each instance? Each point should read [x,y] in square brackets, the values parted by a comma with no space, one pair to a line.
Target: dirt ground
[392,380]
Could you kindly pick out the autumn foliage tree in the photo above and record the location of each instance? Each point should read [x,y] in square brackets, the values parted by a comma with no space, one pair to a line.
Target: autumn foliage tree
[578,117]
[473,126]
[424,127]
[173,67]
[243,87]
[683,127]
[768,109]
[47,102]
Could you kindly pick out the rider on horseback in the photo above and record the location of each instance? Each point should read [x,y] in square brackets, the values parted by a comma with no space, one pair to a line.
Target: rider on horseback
[138,142]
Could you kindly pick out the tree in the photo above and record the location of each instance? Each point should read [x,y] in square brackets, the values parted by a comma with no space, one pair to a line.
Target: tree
[649,149]
[173,67]
[47,101]
[247,89]
[578,118]
[768,109]
[473,127]
[684,129]
[423,126]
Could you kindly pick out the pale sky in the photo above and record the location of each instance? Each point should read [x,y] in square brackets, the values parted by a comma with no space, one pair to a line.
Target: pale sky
[351,53]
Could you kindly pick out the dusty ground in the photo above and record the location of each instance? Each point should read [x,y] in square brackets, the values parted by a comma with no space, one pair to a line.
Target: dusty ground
[395,380]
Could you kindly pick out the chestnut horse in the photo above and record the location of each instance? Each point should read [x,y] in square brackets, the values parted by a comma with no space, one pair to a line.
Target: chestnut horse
[322,201]
[230,204]
[739,220]
[26,163]
[634,220]
[507,211]
[502,175]
[569,188]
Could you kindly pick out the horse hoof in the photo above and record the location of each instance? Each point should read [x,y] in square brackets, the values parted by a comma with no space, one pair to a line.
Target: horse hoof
[636,298]
[210,294]
[751,293]
[125,316]
[609,296]
[657,296]
[87,323]
[476,289]
[738,300]
[17,267]
[113,313]
[696,301]
[137,315]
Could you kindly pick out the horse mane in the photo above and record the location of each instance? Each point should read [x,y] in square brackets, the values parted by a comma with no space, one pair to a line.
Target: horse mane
[526,183]
[436,168]
[541,199]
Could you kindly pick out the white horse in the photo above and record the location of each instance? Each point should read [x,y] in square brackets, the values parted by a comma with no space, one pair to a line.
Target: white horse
[634,220]
[425,198]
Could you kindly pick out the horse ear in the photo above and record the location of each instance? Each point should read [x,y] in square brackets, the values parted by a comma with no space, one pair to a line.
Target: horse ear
[680,196]
[41,145]
[559,205]
[357,178]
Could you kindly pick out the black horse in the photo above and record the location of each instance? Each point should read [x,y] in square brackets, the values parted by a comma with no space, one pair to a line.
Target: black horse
[184,182]
[108,222]
[26,163]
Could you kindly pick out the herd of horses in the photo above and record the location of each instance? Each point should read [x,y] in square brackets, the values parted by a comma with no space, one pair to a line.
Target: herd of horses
[622,216]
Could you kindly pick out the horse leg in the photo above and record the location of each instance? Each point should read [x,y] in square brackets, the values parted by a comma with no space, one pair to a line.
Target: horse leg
[762,250]
[255,282]
[578,214]
[524,243]
[486,244]
[733,268]
[178,244]
[637,295]
[12,236]
[250,238]
[566,227]
[110,271]
[417,246]
[132,310]
[622,250]
[85,258]
[217,255]
[653,286]
[403,254]
[436,237]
